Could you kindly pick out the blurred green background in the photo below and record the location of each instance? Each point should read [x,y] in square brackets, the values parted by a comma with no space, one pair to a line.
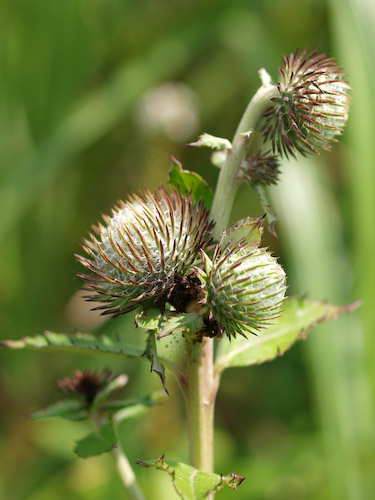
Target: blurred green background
[93,96]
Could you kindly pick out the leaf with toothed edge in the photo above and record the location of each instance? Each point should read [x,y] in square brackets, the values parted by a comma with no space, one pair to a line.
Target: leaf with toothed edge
[210,141]
[79,343]
[190,182]
[168,323]
[151,354]
[190,483]
[298,317]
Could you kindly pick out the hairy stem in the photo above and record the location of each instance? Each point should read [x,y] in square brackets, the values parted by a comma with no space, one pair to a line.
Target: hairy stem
[228,183]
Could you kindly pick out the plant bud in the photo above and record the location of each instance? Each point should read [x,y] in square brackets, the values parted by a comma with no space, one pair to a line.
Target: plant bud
[261,169]
[312,106]
[245,288]
[149,244]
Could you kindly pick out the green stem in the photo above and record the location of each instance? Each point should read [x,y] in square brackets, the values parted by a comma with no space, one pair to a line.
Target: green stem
[228,182]
[127,475]
[200,393]
[199,383]
[124,468]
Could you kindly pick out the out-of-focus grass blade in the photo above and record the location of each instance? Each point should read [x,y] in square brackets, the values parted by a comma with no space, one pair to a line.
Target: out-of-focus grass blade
[318,265]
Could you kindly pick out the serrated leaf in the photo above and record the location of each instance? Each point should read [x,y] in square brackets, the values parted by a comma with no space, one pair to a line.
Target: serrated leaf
[151,354]
[115,385]
[79,343]
[183,322]
[210,141]
[248,229]
[98,442]
[168,323]
[191,483]
[152,319]
[299,316]
[70,409]
[190,182]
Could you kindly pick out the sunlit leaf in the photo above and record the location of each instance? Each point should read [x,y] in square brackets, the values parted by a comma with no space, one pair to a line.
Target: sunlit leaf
[191,483]
[210,141]
[79,343]
[190,182]
[299,316]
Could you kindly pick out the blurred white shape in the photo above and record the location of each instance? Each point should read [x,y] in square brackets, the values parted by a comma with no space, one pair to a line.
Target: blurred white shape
[170,108]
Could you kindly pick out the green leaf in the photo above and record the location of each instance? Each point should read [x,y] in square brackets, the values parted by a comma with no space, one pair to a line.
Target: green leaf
[168,323]
[249,229]
[115,385]
[152,355]
[70,409]
[213,142]
[79,343]
[190,182]
[98,442]
[183,322]
[299,316]
[191,483]
[152,319]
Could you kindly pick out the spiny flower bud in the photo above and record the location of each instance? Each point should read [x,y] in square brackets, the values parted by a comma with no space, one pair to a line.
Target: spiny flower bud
[245,288]
[146,247]
[312,106]
[85,383]
[262,168]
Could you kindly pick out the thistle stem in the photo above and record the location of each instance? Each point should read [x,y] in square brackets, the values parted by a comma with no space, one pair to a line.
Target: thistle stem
[228,183]
[200,393]
[127,475]
[200,385]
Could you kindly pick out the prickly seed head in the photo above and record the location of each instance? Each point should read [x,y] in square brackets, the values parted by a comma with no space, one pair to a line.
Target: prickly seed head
[312,106]
[245,288]
[147,244]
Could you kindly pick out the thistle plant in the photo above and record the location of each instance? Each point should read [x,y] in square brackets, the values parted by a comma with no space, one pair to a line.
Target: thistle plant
[170,257]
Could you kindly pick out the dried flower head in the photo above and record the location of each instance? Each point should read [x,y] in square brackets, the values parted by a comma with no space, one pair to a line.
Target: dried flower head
[312,106]
[245,288]
[85,383]
[262,168]
[148,245]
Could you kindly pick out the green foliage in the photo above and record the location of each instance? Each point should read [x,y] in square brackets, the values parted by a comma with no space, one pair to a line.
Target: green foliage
[70,409]
[190,483]
[79,343]
[169,322]
[98,442]
[212,142]
[151,354]
[190,182]
[297,319]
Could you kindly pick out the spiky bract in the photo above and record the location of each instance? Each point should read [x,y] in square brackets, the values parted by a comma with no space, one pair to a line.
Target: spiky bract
[148,243]
[312,106]
[262,168]
[245,288]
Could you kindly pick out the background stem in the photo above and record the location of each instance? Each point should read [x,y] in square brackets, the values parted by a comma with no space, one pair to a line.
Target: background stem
[127,475]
